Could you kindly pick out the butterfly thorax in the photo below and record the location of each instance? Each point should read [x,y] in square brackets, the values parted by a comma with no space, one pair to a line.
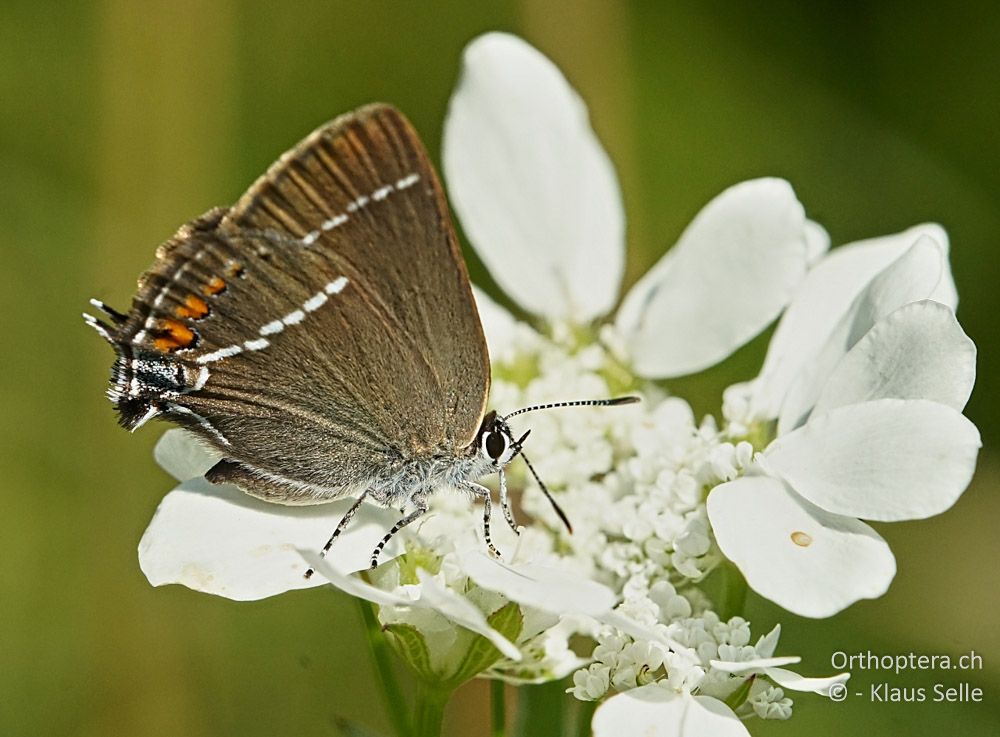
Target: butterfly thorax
[424,476]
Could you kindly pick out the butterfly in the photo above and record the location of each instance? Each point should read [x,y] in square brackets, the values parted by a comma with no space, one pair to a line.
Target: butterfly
[322,334]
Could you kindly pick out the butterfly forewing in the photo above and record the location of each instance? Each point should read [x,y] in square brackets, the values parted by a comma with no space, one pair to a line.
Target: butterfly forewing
[323,328]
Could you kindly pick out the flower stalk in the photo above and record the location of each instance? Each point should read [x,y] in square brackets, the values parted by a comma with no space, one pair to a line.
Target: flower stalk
[382,658]
[428,711]
[584,715]
[498,709]
[540,710]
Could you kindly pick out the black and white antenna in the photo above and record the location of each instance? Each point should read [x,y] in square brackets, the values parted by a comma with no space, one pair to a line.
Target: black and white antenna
[575,403]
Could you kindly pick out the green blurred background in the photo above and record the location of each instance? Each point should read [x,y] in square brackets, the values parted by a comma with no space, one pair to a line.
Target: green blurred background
[120,120]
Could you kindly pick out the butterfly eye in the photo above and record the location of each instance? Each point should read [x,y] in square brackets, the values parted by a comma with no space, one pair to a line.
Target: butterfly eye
[495,445]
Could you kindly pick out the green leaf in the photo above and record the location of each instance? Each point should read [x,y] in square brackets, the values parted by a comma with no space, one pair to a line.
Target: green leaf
[738,697]
[412,648]
[416,558]
[508,621]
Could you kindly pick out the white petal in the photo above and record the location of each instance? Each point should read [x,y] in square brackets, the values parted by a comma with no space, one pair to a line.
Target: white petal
[534,189]
[795,682]
[766,645]
[433,595]
[817,242]
[462,612]
[910,278]
[639,631]
[821,301]
[351,584]
[887,460]
[216,539]
[917,352]
[653,711]
[945,292]
[811,562]
[182,455]
[757,664]
[549,589]
[732,271]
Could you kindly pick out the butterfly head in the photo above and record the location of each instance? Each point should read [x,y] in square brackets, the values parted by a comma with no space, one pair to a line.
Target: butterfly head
[496,442]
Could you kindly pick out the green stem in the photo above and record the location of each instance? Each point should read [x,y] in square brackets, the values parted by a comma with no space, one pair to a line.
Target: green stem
[540,710]
[498,711]
[382,657]
[428,712]
[584,716]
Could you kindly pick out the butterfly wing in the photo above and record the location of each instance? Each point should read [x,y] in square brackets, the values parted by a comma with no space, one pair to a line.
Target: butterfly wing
[320,331]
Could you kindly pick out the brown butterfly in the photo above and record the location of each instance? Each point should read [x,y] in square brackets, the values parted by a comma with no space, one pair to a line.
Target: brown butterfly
[322,333]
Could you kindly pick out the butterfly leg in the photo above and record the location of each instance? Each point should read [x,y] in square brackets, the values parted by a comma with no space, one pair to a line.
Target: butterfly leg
[505,503]
[420,503]
[484,493]
[340,528]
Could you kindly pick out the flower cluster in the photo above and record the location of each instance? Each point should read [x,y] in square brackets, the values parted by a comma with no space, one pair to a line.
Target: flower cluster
[855,415]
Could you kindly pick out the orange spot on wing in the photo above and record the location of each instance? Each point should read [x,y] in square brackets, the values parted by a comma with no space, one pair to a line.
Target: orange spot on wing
[172,335]
[215,286]
[193,307]
[235,268]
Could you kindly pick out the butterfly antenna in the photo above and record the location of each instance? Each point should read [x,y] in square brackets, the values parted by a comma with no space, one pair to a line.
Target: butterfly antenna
[575,403]
[614,402]
[548,495]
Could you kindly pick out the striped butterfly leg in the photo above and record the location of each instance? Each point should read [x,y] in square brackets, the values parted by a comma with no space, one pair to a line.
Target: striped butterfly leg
[505,503]
[484,493]
[345,520]
[420,509]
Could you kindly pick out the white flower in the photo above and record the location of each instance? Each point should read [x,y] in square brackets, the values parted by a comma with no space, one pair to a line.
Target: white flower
[655,711]
[540,203]
[592,683]
[691,699]
[689,652]
[769,702]
[217,539]
[468,586]
[866,377]
[856,414]
[759,660]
